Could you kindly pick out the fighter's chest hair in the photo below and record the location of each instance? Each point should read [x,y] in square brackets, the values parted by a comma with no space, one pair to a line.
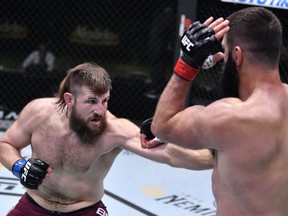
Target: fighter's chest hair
[64,150]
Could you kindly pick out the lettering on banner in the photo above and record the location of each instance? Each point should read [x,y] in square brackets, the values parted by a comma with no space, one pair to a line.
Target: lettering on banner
[188,205]
[283,4]
[13,30]
[94,36]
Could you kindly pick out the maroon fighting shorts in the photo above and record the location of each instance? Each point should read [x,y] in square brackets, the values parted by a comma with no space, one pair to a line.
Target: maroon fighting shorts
[27,206]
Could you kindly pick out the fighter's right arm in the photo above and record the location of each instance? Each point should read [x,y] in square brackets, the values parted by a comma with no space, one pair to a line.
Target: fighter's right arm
[127,136]
[172,120]
[172,154]
[177,156]
[16,137]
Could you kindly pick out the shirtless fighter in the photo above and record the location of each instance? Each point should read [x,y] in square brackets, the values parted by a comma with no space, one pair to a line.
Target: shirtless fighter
[247,129]
[74,141]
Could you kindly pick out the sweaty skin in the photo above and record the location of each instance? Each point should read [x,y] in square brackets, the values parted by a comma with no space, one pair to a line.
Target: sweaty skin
[77,170]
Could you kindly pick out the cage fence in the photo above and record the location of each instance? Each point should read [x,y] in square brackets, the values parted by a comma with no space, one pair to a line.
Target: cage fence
[134,40]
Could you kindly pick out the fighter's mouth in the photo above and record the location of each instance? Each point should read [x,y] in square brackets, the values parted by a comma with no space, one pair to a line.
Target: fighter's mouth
[96,119]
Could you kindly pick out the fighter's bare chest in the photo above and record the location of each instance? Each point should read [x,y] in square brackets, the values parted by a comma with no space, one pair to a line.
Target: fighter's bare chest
[67,152]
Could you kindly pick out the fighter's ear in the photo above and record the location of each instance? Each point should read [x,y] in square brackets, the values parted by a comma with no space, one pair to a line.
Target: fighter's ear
[68,98]
[237,55]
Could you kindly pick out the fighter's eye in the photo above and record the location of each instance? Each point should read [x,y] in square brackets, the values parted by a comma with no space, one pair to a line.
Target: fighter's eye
[106,100]
[92,101]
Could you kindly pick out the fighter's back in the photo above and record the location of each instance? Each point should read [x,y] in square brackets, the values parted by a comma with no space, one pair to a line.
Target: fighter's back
[251,173]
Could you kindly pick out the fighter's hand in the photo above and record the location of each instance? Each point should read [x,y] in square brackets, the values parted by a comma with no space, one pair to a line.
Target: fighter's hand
[212,59]
[31,172]
[148,140]
[220,27]
[197,43]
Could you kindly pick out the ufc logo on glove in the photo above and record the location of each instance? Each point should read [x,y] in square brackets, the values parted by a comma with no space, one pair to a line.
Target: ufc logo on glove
[187,43]
[26,169]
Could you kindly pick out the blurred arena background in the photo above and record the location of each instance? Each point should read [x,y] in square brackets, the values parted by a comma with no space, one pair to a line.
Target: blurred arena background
[136,41]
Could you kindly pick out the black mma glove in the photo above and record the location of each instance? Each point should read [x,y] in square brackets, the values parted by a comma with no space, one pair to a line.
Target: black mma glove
[197,43]
[31,172]
[145,129]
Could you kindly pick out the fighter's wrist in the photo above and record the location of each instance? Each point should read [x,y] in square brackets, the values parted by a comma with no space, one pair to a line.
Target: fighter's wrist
[18,166]
[185,71]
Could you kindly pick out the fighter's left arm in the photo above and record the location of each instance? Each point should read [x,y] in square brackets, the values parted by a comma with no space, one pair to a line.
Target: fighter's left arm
[167,153]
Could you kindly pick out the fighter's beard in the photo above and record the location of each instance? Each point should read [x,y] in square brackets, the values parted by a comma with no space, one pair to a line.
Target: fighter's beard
[84,132]
[230,79]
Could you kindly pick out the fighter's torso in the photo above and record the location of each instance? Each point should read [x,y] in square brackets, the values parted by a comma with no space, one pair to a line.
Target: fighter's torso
[78,169]
[250,176]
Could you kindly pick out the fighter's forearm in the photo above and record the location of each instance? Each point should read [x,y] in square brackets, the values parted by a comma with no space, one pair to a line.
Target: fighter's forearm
[189,159]
[170,103]
[8,155]
[177,156]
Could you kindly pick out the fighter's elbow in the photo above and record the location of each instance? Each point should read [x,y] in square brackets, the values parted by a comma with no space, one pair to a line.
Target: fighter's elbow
[157,130]
[154,128]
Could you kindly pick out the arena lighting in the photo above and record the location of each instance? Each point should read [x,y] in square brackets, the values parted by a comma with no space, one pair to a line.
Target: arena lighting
[282,4]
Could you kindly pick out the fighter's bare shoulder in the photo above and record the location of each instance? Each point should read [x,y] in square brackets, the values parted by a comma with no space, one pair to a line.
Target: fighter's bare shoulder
[122,126]
[225,111]
[232,116]
[38,109]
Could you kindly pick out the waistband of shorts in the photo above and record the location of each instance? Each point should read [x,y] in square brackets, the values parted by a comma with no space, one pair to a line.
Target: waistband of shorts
[32,201]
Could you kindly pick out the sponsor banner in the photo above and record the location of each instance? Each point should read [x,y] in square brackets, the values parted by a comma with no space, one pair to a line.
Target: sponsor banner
[94,36]
[283,4]
[185,203]
[13,30]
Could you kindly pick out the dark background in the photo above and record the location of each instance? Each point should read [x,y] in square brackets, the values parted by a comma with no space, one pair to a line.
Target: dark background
[132,39]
